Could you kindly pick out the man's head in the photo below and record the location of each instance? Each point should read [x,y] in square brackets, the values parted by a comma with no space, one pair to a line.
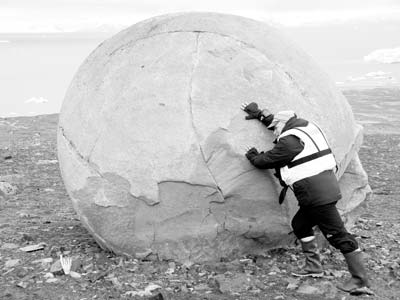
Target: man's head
[280,120]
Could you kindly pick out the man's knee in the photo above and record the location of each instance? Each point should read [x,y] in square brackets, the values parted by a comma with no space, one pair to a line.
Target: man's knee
[301,230]
[343,241]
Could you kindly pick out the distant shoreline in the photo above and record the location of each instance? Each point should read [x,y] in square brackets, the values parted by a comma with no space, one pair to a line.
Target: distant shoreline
[361,87]
[26,36]
[342,89]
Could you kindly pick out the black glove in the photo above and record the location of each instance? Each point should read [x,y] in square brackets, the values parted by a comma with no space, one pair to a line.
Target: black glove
[251,153]
[253,111]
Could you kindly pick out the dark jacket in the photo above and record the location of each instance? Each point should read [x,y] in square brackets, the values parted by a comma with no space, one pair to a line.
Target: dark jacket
[316,190]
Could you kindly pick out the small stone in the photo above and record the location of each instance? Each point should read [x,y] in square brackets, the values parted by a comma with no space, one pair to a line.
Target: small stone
[279,297]
[309,290]
[43,260]
[8,246]
[22,272]
[275,269]
[48,275]
[293,257]
[22,284]
[187,264]
[385,252]
[292,283]
[201,287]
[237,283]
[7,188]
[384,262]
[27,237]
[47,162]
[75,275]
[184,289]
[76,264]
[143,255]
[12,263]
[292,286]
[171,268]
[56,268]
[51,280]
[337,273]
[32,248]
[379,224]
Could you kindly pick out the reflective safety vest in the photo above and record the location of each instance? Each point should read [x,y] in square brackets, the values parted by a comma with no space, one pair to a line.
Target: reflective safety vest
[315,158]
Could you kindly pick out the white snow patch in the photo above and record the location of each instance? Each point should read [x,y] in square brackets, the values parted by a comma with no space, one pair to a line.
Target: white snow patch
[384,56]
[37,100]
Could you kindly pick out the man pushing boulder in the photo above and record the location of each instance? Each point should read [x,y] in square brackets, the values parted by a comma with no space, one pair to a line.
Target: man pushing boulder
[304,162]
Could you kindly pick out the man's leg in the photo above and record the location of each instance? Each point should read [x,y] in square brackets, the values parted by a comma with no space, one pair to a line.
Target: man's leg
[331,225]
[302,226]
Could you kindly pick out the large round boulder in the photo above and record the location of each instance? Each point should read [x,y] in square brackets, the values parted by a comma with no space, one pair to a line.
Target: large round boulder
[151,137]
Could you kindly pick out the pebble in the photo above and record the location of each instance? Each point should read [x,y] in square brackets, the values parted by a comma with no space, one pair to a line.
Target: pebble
[7,188]
[32,248]
[56,268]
[309,290]
[22,284]
[75,275]
[12,263]
[47,161]
[275,269]
[48,275]
[7,246]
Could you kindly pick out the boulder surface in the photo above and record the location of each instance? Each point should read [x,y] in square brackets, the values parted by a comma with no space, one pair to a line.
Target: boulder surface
[151,137]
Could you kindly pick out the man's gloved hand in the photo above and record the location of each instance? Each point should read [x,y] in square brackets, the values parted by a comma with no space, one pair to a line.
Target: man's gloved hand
[252,109]
[251,152]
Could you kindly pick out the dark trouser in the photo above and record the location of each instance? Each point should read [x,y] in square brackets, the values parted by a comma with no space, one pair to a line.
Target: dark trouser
[327,218]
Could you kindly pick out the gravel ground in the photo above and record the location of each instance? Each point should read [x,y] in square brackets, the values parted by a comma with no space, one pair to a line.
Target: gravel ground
[38,213]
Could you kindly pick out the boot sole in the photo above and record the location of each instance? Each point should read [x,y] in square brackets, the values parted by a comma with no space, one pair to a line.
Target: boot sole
[364,290]
[313,275]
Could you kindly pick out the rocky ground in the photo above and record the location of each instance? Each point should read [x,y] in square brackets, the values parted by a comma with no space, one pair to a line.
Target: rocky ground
[37,224]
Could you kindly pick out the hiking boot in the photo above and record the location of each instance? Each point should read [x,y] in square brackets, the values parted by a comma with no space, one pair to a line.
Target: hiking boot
[312,267]
[358,280]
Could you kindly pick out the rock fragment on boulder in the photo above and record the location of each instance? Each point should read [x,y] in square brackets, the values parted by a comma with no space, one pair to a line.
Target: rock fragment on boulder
[7,188]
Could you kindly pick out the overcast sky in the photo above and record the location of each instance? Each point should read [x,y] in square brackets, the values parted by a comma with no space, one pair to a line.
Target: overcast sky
[73,15]
[339,34]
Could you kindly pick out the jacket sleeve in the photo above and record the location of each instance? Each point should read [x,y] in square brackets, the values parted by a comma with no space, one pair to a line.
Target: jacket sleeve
[266,118]
[283,152]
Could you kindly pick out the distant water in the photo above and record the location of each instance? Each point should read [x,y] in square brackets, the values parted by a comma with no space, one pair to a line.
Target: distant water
[340,51]
[36,69]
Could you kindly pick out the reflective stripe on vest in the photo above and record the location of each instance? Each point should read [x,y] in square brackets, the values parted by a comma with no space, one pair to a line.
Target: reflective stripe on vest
[315,158]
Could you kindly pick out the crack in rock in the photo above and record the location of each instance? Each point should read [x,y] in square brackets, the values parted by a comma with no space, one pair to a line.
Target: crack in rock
[75,150]
[103,191]
[251,46]
[195,63]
